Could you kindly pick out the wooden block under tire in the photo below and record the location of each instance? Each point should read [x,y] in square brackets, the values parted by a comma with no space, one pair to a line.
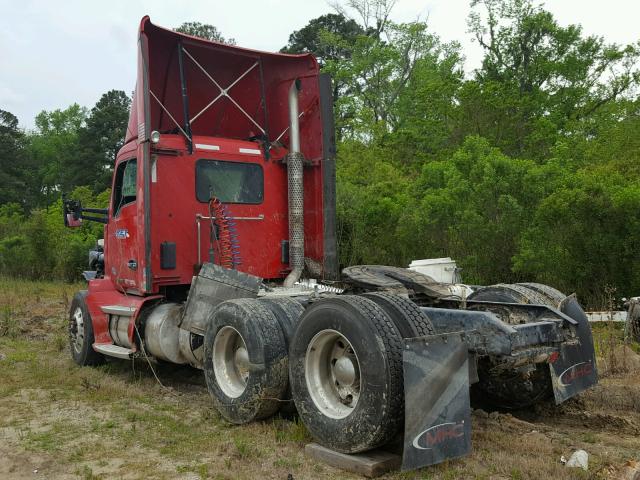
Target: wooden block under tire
[371,464]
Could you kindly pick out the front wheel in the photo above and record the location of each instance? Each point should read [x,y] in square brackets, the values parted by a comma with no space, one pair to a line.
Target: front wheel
[81,332]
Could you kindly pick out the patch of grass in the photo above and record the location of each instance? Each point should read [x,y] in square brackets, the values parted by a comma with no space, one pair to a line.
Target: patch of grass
[516,474]
[612,349]
[202,470]
[86,473]
[49,440]
[8,322]
[21,353]
[61,341]
[288,463]
[244,448]
[290,431]
[103,427]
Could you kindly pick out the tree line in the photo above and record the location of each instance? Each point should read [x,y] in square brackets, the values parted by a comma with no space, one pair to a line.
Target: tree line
[524,169]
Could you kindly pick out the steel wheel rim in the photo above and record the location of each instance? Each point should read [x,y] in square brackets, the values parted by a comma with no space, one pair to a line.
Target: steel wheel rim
[332,372]
[230,362]
[76,330]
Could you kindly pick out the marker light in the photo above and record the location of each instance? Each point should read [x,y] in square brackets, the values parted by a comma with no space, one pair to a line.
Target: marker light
[155,136]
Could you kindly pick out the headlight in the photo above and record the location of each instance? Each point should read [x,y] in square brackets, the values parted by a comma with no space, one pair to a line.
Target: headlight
[155,136]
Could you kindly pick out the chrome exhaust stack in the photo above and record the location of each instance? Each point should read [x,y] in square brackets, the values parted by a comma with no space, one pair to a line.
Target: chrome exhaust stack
[295,166]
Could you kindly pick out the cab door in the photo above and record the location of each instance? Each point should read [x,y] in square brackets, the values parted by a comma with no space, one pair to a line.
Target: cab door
[123,259]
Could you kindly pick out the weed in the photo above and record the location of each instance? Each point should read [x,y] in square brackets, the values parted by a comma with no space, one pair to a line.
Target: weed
[65,299]
[288,463]
[44,441]
[243,448]
[60,342]
[300,433]
[210,414]
[202,470]
[76,455]
[89,384]
[516,474]
[8,323]
[87,474]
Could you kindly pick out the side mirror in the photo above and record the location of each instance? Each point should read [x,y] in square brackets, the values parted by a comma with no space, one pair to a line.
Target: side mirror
[72,212]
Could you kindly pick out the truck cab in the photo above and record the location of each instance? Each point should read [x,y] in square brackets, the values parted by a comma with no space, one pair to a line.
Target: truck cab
[210,120]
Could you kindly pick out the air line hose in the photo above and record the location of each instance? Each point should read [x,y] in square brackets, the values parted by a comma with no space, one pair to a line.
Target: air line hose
[224,234]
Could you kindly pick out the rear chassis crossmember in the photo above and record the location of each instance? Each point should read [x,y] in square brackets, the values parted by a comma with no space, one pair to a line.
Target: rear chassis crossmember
[509,345]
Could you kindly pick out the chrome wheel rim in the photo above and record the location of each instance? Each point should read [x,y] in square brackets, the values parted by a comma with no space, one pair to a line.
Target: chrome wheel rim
[230,362]
[332,372]
[76,330]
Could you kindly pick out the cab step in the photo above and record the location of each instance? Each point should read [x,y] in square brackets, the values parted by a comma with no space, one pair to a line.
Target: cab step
[119,310]
[111,350]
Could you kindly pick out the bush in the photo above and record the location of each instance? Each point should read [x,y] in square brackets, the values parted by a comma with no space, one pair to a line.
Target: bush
[39,246]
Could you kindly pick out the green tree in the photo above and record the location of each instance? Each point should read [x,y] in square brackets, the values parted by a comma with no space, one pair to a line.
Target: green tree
[204,30]
[54,150]
[428,109]
[328,37]
[473,206]
[378,75]
[538,77]
[372,194]
[584,236]
[12,167]
[101,139]
[38,245]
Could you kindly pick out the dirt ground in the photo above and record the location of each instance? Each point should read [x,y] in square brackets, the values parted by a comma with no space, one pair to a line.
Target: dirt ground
[59,421]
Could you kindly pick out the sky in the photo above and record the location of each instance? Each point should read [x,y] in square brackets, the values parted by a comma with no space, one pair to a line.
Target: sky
[55,53]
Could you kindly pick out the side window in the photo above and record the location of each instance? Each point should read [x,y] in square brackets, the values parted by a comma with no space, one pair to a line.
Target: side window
[124,190]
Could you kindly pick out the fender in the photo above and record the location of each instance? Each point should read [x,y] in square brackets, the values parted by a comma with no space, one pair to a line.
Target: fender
[101,292]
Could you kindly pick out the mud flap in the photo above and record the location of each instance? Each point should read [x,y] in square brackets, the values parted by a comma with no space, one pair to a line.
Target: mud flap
[437,405]
[575,368]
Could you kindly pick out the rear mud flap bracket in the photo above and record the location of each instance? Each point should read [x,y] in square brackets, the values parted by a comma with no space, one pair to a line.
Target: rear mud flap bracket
[437,404]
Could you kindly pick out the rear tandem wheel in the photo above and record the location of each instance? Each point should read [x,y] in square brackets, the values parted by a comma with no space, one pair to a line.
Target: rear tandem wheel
[345,364]
[288,312]
[245,360]
[410,321]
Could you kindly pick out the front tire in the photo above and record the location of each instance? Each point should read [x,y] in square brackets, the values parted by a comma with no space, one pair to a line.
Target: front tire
[81,337]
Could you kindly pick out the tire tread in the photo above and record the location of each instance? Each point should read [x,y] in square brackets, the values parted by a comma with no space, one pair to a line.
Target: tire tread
[393,346]
[411,314]
[267,399]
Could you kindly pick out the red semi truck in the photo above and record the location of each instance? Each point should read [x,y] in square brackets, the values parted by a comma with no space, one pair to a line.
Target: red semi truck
[223,200]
